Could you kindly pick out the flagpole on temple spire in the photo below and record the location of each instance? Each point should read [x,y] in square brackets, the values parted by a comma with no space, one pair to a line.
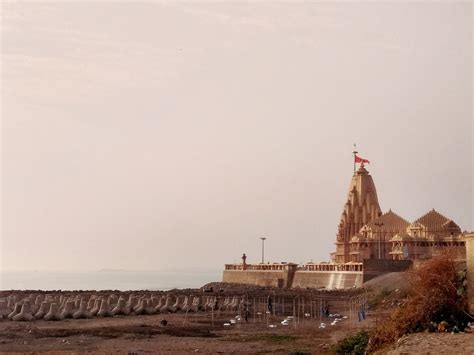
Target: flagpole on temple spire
[354,152]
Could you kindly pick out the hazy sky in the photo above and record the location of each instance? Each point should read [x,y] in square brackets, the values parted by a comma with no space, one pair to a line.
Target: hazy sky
[173,135]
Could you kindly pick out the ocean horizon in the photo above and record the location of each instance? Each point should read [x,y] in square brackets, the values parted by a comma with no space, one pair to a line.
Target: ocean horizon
[106,279]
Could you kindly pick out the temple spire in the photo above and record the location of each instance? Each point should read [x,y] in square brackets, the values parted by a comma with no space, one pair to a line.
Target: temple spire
[361,207]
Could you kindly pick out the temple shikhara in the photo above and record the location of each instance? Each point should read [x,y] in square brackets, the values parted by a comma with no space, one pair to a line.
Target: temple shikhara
[369,243]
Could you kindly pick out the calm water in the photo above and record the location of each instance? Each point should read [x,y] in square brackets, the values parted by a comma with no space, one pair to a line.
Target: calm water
[105,280]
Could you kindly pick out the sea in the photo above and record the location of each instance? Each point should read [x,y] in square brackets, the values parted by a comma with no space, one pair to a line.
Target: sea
[106,280]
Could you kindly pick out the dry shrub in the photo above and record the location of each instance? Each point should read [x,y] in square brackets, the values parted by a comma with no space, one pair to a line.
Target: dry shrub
[433,297]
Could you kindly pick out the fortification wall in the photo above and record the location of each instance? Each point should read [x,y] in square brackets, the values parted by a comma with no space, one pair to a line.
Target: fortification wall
[376,267]
[327,279]
[257,277]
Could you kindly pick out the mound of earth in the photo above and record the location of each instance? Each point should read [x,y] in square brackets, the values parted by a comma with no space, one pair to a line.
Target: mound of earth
[434,343]
[389,282]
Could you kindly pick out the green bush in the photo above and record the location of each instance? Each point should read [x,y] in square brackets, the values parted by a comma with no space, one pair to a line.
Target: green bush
[355,344]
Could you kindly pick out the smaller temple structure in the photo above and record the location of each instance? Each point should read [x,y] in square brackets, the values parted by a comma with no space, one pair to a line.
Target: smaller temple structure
[426,237]
[373,239]
[392,237]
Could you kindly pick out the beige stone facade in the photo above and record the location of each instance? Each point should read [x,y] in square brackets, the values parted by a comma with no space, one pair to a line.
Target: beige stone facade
[470,271]
[365,233]
[361,207]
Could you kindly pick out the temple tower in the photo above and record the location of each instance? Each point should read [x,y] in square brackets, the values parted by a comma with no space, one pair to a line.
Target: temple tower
[361,207]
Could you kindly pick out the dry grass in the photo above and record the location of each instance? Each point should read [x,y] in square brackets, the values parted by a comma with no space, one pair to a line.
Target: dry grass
[433,297]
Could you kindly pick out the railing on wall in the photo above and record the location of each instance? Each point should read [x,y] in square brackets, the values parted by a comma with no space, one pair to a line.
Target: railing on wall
[354,267]
[260,267]
[332,267]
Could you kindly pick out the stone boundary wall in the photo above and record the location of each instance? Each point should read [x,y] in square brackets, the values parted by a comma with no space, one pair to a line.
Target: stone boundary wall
[327,279]
[316,279]
[298,279]
[258,277]
[376,267]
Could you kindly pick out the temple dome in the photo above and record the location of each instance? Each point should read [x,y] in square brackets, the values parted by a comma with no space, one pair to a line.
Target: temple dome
[433,220]
[389,221]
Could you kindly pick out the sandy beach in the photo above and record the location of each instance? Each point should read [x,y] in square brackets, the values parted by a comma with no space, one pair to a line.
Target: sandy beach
[293,325]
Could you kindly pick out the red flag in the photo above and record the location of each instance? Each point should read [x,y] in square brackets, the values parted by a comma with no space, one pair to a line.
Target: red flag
[360,160]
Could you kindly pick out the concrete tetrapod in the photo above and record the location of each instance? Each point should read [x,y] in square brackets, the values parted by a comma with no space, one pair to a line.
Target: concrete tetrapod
[16,310]
[168,306]
[121,308]
[43,310]
[205,302]
[155,300]
[4,311]
[35,303]
[77,302]
[160,304]
[150,309]
[82,312]
[137,303]
[113,299]
[178,305]
[104,310]
[11,302]
[69,309]
[229,303]
[196,305]
[208,304]
[133,302]
[91,302]
[234,304]
[53,313]
[224,304]
[145,307]
[141,307]
[95,309]
[25,313]
[186,304]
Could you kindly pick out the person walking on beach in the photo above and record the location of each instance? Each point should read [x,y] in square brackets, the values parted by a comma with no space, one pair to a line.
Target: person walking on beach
[269,304]
[326,311]
[247,314]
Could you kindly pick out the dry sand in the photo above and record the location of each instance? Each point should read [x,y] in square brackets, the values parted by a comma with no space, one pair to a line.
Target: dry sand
[143,334]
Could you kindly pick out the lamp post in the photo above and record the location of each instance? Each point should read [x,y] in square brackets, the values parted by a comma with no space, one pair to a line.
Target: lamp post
[379,225]
[263,249]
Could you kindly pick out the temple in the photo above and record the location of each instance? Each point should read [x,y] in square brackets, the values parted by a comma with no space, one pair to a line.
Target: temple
[369,243]
[365,233]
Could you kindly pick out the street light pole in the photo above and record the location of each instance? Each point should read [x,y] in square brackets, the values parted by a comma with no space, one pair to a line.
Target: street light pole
[263,249]
[379,225]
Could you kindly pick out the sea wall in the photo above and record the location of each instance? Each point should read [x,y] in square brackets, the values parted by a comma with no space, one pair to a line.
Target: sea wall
[303,278]
[258,277]
[327,279]
[376,267]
